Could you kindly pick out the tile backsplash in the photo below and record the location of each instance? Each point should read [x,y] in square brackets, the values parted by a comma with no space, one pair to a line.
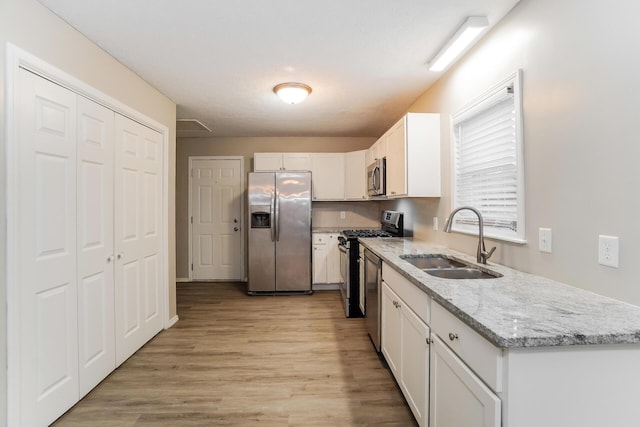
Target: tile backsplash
[356,214]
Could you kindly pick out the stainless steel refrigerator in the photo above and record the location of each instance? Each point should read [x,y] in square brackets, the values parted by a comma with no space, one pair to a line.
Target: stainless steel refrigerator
[279,232]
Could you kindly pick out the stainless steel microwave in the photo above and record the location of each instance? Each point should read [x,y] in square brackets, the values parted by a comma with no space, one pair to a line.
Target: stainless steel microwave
[376,178]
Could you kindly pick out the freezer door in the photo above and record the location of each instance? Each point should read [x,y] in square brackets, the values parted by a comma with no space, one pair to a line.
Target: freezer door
[293,231]
[262,260]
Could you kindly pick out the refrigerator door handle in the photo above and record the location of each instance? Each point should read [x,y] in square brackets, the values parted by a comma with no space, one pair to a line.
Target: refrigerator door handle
[277,219]
[273,223]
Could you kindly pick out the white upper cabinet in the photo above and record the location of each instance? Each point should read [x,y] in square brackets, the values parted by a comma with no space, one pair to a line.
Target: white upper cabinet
[378,150]
[267,162]
[413,156]
[327,176]
[335,176]
[355,176]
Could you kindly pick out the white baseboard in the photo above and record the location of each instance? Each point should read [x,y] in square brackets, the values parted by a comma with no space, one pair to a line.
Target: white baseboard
[172,322]
[182,280]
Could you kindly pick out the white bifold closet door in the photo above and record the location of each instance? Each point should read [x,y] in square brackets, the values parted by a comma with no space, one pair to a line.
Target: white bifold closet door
[89,255]
[96,260]
[48,291]
[137,238]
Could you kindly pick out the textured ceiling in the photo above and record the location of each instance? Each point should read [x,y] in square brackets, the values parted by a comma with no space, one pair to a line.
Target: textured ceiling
[219,60]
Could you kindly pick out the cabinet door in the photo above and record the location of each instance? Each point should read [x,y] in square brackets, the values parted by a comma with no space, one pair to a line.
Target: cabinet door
[355,175]
[397,160]
[414,365]
[265,162]
[333,259]
[327,176]
[296,161]
[319,263]
[458,398]
[391,327]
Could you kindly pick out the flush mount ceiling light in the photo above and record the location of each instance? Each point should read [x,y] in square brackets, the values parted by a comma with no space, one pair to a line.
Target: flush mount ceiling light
[458,44]
[292,93]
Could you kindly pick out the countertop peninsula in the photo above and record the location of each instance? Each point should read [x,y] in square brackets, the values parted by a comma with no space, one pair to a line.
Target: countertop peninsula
[518,309]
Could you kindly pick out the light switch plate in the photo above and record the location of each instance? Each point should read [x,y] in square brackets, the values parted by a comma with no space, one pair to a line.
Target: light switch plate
[608,250]
[544,240]
[343,215]
[435,223]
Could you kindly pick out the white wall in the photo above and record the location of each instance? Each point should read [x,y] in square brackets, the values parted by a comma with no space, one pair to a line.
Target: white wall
[581,92]
[30,26]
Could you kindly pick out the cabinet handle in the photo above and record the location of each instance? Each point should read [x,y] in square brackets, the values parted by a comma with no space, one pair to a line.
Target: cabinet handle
[429,341]
[110,258]
[453,336]
[120,255]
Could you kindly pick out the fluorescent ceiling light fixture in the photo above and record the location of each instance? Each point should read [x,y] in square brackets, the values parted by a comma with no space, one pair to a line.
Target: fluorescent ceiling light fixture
[292,93]
[461,40]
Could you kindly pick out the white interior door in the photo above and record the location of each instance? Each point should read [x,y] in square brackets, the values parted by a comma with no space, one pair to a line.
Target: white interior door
[96,331]
[47,313]
[216,210]
[138,160]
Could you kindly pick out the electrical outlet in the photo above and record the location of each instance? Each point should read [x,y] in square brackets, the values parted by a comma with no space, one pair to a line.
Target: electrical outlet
[435,223]
[608,250]
[343,215]
[544,240]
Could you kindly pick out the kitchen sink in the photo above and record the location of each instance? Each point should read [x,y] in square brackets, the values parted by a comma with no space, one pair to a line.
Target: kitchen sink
[432,261]
[445,267]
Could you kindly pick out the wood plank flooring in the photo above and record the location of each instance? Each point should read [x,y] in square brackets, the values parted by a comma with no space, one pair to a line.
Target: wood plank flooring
[238,360]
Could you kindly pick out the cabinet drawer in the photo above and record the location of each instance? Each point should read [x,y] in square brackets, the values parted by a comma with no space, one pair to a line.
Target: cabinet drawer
[479,354]
[415,298]
[325,238]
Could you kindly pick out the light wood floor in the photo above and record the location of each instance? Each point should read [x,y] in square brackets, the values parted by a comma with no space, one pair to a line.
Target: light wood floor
[239,360]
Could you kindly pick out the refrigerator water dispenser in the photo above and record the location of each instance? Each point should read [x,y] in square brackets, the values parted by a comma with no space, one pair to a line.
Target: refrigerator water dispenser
[261,216]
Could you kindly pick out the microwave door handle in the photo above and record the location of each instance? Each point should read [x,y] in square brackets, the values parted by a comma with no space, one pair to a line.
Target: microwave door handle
[376,178]
[273,217]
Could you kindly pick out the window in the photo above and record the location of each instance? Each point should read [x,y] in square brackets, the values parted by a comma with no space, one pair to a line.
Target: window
[488,171]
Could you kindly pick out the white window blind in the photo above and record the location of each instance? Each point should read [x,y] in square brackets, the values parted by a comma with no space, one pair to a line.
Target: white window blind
[487,168]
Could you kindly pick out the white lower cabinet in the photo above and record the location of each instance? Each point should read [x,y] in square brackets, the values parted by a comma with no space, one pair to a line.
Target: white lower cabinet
[458,397]
[459,379]
[405,347]
[326,258]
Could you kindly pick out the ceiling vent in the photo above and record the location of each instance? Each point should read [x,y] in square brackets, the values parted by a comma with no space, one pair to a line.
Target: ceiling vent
[191,128]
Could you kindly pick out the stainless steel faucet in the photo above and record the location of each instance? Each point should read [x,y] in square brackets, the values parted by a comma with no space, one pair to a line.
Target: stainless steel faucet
[482,255]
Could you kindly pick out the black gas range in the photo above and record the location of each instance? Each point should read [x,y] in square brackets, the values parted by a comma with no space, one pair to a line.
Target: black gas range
[391,225]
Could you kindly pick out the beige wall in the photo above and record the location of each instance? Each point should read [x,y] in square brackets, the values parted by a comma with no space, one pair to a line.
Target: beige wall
[580,92]
[30,26]
[188,147]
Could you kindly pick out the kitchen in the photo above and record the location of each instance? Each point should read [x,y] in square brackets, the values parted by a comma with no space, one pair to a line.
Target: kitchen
[579,96]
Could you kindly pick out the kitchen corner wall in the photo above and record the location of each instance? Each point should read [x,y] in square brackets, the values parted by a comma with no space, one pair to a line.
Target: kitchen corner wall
[221,146]
[581,148]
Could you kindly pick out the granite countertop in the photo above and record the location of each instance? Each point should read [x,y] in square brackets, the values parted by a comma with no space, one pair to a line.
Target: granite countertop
[339,229]
[518,309]
[327,229]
